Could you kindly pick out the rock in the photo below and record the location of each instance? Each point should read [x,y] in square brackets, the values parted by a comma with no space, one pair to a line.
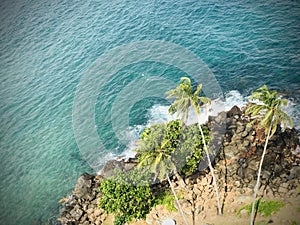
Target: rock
[83,185]
[237,183]
[150,218]
[240,150]
[294,172]
[98,212]
[265,174]
[92,217]
[282,189]
[129,166]
[99,221]
[90,211]
[76,213]
[284,185]
[63,200]
[109,167]
[250,138]
[204,182]
[186,206]
[234,111]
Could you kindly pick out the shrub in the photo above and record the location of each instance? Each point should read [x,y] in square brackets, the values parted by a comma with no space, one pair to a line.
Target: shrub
[166,199]
[127,196]
[192,147]
[184,143]
[265,208]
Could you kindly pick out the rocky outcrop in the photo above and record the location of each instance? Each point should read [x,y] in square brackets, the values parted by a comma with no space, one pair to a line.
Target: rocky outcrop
[82,206]
[237,152]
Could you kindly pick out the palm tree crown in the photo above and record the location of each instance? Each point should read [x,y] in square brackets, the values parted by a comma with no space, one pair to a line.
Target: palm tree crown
[185,97]
[268,110]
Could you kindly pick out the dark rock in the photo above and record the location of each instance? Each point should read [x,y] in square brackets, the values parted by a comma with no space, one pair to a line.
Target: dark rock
[83,185]
[294,173]
[234,111]
[236,168]
[109,167]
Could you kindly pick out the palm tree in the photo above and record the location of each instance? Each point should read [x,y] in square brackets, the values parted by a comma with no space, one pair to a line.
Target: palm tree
[157,158]
[184,98]
[269,115]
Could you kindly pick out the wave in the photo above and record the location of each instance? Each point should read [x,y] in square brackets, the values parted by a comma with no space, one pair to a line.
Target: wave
[159,114]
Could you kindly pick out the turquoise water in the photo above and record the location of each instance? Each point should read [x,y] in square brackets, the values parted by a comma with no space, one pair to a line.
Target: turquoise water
[46,47]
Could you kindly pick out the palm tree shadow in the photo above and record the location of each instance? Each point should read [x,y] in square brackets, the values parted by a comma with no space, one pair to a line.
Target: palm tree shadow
[256,207]
[225,180]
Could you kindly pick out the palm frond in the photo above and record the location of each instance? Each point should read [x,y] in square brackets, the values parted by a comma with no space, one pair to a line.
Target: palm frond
[269,110]
[198,90]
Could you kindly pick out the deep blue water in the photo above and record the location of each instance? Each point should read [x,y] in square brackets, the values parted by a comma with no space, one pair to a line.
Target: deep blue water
[47,47]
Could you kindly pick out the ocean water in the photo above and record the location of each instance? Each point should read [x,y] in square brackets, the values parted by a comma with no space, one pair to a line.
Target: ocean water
[47,48]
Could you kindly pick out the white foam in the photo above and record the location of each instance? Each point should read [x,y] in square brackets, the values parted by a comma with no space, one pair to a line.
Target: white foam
[293,110]
[233,98]
[159,114]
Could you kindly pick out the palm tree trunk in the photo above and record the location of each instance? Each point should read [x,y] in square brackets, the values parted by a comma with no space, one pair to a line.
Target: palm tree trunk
[258,175]
[177,201]
[211,169]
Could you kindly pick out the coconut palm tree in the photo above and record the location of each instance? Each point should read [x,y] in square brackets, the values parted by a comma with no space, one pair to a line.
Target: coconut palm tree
[268,113]
[154,155]
[184,99]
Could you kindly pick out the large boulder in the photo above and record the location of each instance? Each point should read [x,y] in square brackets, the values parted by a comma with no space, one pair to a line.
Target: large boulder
[234,111]
[83,186]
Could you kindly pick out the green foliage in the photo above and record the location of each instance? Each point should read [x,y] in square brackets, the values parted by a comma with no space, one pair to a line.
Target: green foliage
[265,208]
[166,199]
[157,144]
[172,144]
[192,148]
[127,196]
[268,111]
[185,97]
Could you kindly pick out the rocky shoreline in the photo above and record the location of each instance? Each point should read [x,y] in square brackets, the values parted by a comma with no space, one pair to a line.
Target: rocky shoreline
[236,163]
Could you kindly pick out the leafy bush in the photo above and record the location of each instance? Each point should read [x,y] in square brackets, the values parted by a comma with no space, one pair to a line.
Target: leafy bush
[183,143]
[265,208]
[193,148]
[166,199]
[127,196]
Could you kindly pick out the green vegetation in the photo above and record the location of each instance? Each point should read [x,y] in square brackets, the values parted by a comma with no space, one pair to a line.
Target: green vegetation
[269,115]
[157,147]
[265,208]
[183,144]
[127,196]
[166,199]
[175,148]
[185,98]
